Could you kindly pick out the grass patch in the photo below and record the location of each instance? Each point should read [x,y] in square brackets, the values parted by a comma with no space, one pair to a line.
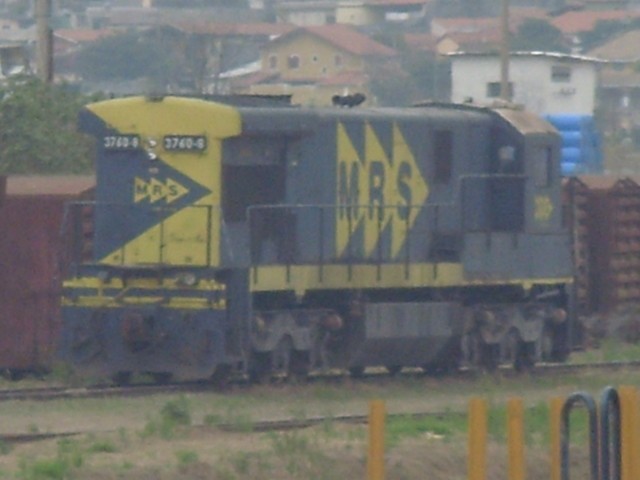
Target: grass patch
[186,457]
[444,426]
[174,414]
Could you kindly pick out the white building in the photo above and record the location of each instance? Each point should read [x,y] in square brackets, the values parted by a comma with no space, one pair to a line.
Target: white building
[545,83]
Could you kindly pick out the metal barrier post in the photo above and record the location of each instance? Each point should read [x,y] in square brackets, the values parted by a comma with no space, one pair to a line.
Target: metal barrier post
[515,438]
[554,430]
[594,450]
[610,435]
[629,432]
[375,461]
[477,439]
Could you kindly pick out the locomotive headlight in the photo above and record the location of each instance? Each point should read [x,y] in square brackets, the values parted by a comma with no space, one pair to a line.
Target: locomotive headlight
[187,279]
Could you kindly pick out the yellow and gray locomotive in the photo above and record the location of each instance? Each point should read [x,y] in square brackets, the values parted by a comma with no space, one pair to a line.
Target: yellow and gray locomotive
[248,235]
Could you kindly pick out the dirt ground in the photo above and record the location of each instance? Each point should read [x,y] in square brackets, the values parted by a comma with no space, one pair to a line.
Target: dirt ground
[126,438]
[207,453]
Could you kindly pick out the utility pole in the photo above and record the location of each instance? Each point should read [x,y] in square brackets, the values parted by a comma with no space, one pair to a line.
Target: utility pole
[505,91]
[45,50]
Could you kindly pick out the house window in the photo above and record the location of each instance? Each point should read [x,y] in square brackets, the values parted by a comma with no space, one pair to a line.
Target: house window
[560,73]
[293,61]
[493,89]
[337,60]
[273,62]
[443,155]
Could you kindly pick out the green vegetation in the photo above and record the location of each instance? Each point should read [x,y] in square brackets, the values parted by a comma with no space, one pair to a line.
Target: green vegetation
[538,35]
[38,129]
[398,428]
[69,457]
[610,350]
[174,414]
[186,457]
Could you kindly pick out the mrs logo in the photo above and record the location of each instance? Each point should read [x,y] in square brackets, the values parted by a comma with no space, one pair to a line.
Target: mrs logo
[156,190]
[376,192]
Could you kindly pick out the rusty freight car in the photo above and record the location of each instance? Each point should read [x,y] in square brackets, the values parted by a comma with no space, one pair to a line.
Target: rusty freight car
[604,216]
[30,218]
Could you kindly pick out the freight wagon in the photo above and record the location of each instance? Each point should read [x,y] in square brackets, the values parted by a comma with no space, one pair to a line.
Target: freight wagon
[257,237]
[30,276]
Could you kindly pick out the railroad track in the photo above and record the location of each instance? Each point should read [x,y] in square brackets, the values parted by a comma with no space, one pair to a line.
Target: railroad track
[105,390]
[98,391]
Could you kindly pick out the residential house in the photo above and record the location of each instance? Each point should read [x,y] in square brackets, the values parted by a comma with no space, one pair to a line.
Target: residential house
[352,12]
[209,49]
[619,88]
[66,45]
[14,59]
[312,64]
[487,25]
[575,23]
[142,17]
[545,83]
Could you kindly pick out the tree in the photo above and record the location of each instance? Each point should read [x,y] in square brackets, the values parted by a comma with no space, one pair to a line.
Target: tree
[538,35]
[38,129]
[128,56]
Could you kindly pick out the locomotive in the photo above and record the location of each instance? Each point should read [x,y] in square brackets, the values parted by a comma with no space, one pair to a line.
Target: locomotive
[248,235]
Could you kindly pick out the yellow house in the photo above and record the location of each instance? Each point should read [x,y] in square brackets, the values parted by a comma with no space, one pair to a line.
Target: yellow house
[312,64]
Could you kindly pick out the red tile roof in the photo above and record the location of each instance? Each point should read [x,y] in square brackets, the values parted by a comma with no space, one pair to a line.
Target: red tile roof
[464,24]
[584,21]
[484,24]
[476,40]
[421,41]
[82,35]
[345,38]
[623,47]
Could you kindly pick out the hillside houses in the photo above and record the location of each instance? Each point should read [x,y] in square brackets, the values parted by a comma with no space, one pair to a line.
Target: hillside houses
[312,49]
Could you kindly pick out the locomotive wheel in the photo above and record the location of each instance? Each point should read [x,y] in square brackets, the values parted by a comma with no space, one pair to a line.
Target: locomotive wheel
[489,356]
[161,378]
[394,369]
[14,375]
[260,368]
[298,366]
[221,376]
[545,346]
[122,378]
[525,357]
[281,357]
[511,348]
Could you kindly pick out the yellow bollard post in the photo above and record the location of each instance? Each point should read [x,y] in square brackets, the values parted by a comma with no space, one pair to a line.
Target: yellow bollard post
[477,463]
[628,435]
[375,461]
[555,416]
[515,438]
